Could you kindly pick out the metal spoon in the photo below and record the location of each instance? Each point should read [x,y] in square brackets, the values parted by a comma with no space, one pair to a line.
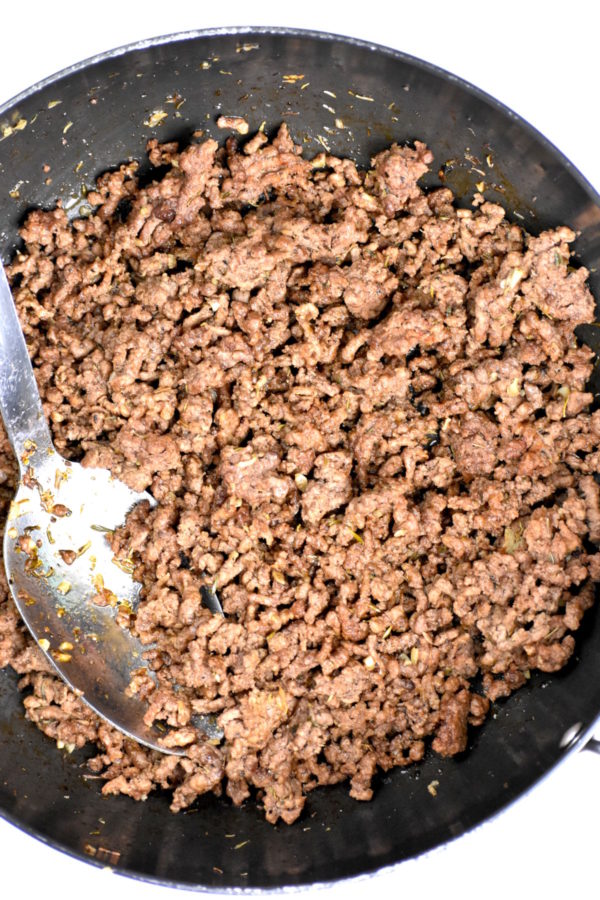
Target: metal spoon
[58,561]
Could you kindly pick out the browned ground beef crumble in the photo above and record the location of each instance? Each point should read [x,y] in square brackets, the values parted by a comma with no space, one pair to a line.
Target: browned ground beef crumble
[363,413]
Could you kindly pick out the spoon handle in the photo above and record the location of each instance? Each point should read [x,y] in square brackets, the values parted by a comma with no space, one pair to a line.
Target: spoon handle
[20,404]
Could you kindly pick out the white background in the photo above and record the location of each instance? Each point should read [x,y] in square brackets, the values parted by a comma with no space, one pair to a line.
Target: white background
[539,58]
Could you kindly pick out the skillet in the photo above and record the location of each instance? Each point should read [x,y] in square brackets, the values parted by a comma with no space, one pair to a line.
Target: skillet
[108,108]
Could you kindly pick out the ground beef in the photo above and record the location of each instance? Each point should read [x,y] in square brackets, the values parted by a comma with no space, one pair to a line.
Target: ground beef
[363,414]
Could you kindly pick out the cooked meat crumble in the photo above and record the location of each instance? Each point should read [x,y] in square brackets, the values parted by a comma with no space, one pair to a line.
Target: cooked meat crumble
[363,414]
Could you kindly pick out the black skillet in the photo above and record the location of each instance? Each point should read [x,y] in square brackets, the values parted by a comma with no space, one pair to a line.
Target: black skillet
[89,118]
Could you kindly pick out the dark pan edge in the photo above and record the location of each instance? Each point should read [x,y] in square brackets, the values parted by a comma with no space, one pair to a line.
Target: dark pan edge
[577,746]
[324,36]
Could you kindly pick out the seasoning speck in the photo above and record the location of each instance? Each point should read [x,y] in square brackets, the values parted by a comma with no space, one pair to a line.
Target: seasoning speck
[301,481]
[513,388]
[155,118]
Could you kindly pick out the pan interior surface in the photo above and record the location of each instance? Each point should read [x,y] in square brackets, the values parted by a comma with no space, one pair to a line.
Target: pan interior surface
[96,116]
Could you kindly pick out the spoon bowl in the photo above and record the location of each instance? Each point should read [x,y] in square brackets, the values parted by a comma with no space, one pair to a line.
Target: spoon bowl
[73,593]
